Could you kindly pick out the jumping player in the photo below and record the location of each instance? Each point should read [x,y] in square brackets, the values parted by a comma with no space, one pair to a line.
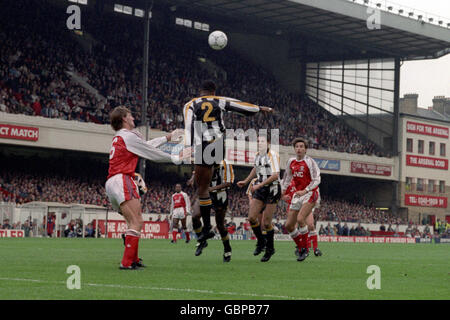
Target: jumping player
[265,192]
[127,146]
[180,207]
[301,183]
[204,130]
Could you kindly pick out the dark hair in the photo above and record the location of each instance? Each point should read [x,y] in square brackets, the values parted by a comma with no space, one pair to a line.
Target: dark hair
[297,140]
[116,117]
[208,86]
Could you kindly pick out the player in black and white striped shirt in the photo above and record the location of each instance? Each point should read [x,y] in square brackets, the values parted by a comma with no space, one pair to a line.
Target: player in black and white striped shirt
[266,191]
[204,131]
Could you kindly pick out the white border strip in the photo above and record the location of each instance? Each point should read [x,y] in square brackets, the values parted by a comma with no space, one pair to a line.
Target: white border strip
[167,289]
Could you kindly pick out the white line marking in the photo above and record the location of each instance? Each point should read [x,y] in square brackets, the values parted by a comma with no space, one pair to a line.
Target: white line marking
[165,289]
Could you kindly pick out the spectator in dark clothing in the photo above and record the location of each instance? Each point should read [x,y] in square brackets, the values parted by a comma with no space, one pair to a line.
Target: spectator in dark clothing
[6,224]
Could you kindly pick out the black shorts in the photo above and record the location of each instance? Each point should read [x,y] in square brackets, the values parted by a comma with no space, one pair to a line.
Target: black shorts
[205,153]
[268,194]
[219,203]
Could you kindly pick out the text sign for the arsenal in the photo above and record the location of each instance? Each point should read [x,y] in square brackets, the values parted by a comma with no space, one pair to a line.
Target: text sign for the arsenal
[370,168]
[426,162]
[427,129]
[425,201]
[18,132]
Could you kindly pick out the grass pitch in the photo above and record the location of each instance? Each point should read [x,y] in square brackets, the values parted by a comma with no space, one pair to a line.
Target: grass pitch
[35,268]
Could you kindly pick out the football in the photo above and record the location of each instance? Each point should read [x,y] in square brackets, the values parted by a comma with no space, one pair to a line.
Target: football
[217,40]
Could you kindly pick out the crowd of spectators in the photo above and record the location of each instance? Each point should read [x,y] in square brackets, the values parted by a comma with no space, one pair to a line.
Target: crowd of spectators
[335,210]
[442,228]
[36,56]
[21,187]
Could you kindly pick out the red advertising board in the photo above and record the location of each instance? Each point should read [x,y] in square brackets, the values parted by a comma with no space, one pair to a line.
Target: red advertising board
[150,230]
[370,168]
[6,233]
[18,132]
[426,162]
[427,129]
[367,239]
[241,156]
[425,201]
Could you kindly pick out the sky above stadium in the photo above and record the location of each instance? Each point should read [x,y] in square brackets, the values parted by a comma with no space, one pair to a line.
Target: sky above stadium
[428,78]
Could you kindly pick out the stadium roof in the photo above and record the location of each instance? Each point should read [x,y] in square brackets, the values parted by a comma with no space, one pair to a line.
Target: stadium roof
[429,114]
[342,23]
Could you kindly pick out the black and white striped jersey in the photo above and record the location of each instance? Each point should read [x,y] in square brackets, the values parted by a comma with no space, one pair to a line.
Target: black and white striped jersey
[208,111]
[266,165]
[222,174]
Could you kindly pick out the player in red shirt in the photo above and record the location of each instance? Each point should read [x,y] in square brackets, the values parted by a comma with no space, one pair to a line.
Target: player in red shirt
[301,188]
[180,207]
[127,146]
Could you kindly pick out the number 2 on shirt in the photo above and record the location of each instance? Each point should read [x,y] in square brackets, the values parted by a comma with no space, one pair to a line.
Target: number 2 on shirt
[206,117]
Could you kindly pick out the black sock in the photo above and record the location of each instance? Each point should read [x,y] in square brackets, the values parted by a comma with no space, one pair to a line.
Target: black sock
[257,231]
[226,246]
[205,211]
[197,226]
[226,241]
[269,239]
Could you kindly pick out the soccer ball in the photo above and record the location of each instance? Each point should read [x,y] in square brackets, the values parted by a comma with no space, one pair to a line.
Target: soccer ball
[217,40]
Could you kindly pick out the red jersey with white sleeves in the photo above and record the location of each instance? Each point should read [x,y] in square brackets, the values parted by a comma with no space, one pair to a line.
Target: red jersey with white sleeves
[180,200]
[301,174]
[127,146]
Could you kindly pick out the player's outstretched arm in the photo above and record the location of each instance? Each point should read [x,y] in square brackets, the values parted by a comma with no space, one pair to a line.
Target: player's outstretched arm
[245,182]
[269,180]
[142,149]
[237,106]
[173,136]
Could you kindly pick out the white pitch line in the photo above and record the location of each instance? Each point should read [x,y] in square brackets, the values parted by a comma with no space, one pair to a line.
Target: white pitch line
[165,289]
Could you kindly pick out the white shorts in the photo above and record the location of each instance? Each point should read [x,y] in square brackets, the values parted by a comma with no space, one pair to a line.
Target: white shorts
[121,188]
[178,213]
[311,197]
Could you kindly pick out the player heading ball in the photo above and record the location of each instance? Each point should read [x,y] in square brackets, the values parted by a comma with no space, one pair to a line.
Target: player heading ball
[205,115]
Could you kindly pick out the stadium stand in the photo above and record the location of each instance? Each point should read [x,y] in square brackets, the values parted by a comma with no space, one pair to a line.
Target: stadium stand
[36,57]
[54,184]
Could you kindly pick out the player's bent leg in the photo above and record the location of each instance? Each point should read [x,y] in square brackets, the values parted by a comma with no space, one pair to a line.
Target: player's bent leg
[312,235]
[305,210]
[174,230]
[291,227]
[131,210]
[196,218]
[186,232]
[197,226]
[255,209]
[220,218]
[268,227]
[203,175]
